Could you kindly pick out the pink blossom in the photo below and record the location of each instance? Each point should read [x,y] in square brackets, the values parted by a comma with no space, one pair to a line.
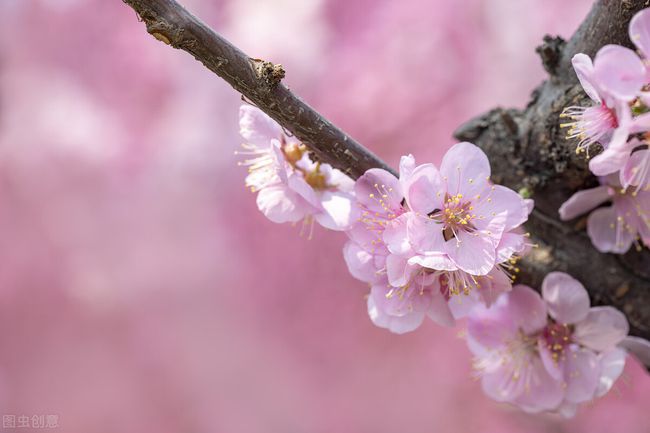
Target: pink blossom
[547,353]
[614,228]
[290,186]
[391,249]
[459,218]
[636,170]
[612,81]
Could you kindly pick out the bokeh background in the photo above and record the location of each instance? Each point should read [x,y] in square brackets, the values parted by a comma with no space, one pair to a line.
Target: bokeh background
[140,288]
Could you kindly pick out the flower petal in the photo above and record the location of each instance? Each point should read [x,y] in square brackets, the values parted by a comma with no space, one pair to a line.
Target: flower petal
[619,72]
[605,232]
[361,263]
[638,347]
[566,299]
[280,204]
[395,235]
[379,191]
[542,392]
[423,189]
[612,364]
[339,212]
[602,329]
[439,311]
[256,127]
[397,325]
[465,169]
[640,31]
[474,253]
[584,68]
[583,201]
[527,308]
[581,373]
[498,199]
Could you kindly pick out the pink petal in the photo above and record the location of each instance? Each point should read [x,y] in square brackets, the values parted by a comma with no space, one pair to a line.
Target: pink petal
[638,347]
[640,31]
[280,204]
[361,263]
[542,392]
[602,329]
[378,190]
[395,235]
[465,169]
[439,311]
[438,262]
[498,199]
[298,184]
[505,383]
[527,308]
[397,325]
[619,72]
[423,190]
[566,299]
[339,212]
[492,327]
[425,234]
[605,232]
[612,364]
[406,167]
[583,201]
[581,373]
[256,127]
[493,285]
[511,243]
[473,253]
[584,70]
[398,270]
[555,367]
[637,169]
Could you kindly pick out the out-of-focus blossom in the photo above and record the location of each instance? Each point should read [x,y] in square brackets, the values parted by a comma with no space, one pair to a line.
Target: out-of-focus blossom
[290,186]
[615,228]
[550,353]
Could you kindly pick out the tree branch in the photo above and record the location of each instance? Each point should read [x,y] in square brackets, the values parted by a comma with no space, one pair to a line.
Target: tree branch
[526,147]
[259,81]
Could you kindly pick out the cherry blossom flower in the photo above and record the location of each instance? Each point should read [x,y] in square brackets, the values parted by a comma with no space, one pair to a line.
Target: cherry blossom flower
[387,248]
[290,186]
[614,228]
[459,218]
[612,81]
[548,353]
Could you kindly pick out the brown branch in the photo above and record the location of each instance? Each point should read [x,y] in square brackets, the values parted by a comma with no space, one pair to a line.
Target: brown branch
[259,81]
[526,147]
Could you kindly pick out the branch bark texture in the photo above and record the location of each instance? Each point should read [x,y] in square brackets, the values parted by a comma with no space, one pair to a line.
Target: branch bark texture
[526,146]
[258,80]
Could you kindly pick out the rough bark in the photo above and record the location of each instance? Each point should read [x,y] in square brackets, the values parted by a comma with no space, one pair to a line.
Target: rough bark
[526,147]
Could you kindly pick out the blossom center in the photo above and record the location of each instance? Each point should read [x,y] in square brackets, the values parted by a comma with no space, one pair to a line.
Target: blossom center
[456,215]
[589,124]
[557,336]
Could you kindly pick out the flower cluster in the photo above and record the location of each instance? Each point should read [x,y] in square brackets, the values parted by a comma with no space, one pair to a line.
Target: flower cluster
[434,241]
[444,243]
[547,353]
[290,185]
[618,83]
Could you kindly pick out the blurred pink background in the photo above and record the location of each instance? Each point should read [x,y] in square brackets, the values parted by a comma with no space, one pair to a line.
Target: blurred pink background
[140,288]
